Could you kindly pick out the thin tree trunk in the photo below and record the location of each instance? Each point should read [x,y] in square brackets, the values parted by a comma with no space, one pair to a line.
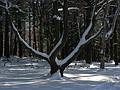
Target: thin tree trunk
[1,39]
[20,52]
[115,47]
[40,37]
[6,44]
[11,42]
[29,30]
[15,46]
[34,25]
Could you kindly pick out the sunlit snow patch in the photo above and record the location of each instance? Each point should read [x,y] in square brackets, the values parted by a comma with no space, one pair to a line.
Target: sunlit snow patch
[107,86]
[93,66]
[56,76]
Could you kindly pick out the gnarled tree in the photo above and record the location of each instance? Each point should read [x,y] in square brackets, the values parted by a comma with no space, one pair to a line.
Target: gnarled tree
[57,64]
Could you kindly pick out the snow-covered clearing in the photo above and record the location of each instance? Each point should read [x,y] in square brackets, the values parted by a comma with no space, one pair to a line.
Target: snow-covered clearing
[26,74]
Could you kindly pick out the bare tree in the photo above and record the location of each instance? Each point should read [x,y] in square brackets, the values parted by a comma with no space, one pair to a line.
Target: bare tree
[52,58]
[1,34]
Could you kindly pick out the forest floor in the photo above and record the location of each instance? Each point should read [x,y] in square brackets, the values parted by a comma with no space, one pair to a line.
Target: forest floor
[28,74]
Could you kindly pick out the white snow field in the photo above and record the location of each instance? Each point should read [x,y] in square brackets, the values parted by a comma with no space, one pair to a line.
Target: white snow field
[28,74]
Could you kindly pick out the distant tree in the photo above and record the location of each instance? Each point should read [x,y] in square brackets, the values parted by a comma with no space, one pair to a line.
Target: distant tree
[1,33]
[7,30]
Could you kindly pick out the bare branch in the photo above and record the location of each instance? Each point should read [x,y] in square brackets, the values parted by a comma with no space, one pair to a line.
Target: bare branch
[57,45]
[90,25]
[40,54]
[101,2]
[109,33]
[2,6]
[17,7]
[94,35]
[99,10]
[81,42]
[87,31]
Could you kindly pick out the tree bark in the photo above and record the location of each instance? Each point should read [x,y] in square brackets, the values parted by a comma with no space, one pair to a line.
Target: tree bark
[20,52]
[34,25]
[6,43]
[1,39]
[115,45]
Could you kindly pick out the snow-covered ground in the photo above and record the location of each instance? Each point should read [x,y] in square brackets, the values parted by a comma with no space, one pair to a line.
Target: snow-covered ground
[27,74]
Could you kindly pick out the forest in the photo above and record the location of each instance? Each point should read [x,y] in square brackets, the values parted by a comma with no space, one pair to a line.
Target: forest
[60,32]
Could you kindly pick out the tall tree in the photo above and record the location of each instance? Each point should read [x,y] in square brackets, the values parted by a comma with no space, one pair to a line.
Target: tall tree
[7,29]
[1,33]
[34,23]
[52,57]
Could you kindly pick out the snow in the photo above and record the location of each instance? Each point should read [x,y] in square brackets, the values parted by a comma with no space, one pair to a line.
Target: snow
[108,34]
[57,17]
[55,76]
[73,8]
[22,75]
[101,2]
[87,31]
[93,66]
[72,53]
[107,86]
[57,45]
[70,8]
[57,61]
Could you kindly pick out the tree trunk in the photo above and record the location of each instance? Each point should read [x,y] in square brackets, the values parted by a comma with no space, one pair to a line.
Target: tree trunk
[11,42]
[115,45]
[29,30]
[34,25]
[20,52]
[40,32]
[15,46]
[6,44]
[53,65]
[88,49]
[1,39]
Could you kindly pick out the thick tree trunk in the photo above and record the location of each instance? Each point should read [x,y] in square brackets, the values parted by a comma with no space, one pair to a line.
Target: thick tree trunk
[54,69]
[53,65]
[61,71]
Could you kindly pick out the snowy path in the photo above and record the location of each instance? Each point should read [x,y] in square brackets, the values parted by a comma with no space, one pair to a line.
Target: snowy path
[24,75]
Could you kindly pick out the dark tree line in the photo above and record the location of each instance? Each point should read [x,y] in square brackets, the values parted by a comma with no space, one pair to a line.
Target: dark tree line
[61,30]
